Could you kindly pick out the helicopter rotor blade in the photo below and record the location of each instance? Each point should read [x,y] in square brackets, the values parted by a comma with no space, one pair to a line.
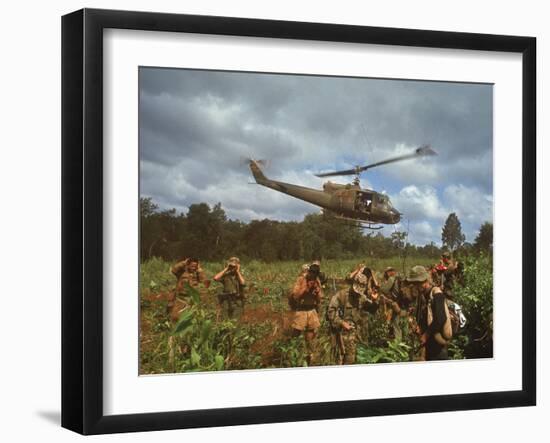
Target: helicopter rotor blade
[264,163]
[332,174]
[422,151]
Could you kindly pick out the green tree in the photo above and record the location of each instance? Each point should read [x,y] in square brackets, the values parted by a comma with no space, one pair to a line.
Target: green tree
[451,234]
[484,239]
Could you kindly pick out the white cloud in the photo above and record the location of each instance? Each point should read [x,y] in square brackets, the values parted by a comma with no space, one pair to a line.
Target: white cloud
[469,203]
[419,203]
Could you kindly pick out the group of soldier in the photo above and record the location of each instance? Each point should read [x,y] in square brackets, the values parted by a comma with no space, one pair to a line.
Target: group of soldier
[420,303]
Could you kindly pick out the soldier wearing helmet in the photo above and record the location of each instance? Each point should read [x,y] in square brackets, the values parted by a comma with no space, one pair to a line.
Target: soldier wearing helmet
[345,315]
[231,299]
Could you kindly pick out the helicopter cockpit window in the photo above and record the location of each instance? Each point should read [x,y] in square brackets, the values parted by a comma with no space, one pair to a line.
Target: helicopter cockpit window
[384,200]
[363,202]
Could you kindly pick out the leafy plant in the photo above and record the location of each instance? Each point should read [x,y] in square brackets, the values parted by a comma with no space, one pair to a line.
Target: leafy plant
[395,351]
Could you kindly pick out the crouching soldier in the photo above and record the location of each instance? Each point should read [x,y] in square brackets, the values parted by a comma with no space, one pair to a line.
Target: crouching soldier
[372,293]
[432,315]
[189,274]
[305,301]
[231,299]
[345,312]
[397,302]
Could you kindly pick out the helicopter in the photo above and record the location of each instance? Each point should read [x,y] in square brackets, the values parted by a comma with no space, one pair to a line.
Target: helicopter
[366,207]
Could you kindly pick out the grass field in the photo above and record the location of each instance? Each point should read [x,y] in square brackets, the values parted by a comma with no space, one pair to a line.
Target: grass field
[201,341]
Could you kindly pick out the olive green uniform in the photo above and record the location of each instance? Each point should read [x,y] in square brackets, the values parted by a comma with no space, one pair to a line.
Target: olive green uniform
[231,299]
[346,305]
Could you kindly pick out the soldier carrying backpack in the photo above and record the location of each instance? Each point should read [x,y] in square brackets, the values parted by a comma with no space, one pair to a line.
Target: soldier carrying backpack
[432,315]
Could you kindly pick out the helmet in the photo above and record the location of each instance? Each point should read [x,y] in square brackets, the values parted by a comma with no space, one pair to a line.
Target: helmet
[360,284]
[417,274]
[233,261]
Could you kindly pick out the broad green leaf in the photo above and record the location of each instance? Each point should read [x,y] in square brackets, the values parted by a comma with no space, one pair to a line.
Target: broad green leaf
[184,321]
[193,293]
[195,357]
[218,362]
[206,330]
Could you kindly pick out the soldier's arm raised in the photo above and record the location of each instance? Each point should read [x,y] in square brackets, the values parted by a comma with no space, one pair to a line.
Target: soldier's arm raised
[220,274]
[300,288]
[239,275]
[178,268]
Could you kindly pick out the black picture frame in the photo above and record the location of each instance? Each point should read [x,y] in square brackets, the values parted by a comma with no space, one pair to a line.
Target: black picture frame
[82,218]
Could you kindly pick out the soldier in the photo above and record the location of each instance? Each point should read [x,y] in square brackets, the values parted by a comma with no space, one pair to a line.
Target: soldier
[432,315]
[352,274]
[305,301]
[232,295]
[446,272]
[322,276]
[372,293]
[395,303]
[345,312]
[188,272]
[387,282]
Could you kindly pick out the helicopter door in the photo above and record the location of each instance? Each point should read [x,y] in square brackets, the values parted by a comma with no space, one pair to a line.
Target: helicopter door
[363,201]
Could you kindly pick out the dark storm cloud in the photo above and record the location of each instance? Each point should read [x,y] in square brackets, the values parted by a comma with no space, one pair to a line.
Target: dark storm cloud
[196,126]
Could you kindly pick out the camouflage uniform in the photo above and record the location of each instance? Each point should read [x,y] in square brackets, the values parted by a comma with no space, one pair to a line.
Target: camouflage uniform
[397,306]
[186,274]
[348,305]
[371,293]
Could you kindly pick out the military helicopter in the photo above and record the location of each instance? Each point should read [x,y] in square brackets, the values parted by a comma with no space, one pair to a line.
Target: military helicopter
[369,208]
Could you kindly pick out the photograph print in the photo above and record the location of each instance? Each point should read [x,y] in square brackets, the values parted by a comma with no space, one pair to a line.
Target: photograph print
[290,221]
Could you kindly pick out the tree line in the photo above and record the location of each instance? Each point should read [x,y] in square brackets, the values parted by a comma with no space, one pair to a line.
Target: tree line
[207,233]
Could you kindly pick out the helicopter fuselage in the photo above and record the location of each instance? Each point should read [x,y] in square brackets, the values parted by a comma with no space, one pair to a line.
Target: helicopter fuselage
[348,201]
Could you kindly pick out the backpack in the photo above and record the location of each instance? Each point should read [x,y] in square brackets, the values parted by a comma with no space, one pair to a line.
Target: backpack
[444,336]
[458,320]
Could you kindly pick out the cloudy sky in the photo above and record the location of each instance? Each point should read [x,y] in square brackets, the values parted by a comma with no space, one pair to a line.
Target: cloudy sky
[196,127]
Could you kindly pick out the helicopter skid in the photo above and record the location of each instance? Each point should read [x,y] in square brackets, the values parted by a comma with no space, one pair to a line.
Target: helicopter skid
[363,223]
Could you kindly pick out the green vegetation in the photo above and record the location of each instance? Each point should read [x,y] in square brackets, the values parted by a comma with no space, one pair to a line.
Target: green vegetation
[207,233]
[202,341]
[451,234]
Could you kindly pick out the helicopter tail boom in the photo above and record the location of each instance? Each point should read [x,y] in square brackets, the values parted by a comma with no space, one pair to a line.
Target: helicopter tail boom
[257,173]
[309,195]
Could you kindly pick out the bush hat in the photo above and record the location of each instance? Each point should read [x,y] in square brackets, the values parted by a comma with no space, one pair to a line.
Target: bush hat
[418,274]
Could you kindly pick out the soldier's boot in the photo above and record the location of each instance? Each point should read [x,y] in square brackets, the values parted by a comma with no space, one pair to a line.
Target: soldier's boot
[350,346]
[309,338]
